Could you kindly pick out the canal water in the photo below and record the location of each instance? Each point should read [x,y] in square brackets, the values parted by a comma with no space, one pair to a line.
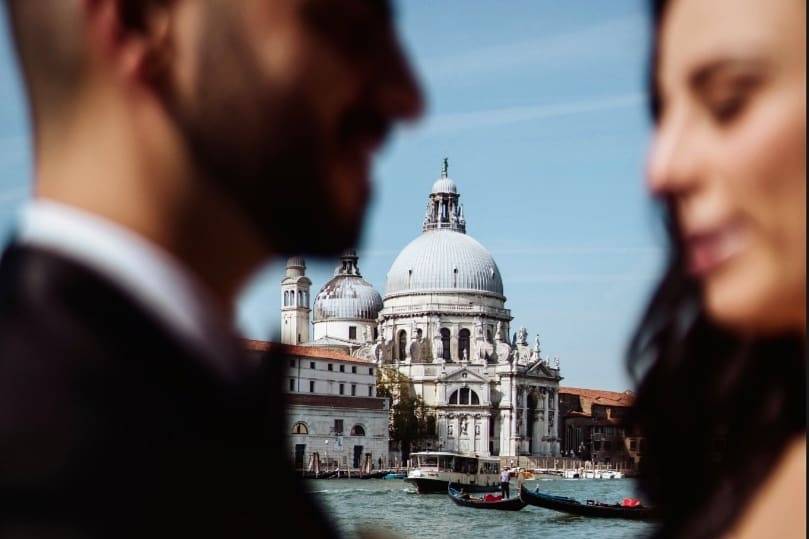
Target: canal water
[394,507]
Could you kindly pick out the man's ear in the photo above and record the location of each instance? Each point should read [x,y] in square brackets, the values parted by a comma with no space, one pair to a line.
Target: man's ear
[132,35]
[148,25]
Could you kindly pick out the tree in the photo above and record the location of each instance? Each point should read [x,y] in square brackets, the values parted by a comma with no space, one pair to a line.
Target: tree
[410,422]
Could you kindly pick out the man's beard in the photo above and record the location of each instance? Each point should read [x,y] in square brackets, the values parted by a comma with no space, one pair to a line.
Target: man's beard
[265,153]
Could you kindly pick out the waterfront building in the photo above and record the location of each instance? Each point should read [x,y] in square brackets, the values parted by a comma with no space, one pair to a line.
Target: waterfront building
[332,407]
[443,324]
[593,427]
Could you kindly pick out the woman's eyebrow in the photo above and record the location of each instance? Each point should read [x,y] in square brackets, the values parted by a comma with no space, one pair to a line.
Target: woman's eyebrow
[706,72]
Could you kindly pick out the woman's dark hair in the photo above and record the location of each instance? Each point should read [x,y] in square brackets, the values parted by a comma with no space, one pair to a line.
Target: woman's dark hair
[716,409]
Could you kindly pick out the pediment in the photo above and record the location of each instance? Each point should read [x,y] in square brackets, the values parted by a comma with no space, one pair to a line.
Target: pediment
[541,368]
[462,375]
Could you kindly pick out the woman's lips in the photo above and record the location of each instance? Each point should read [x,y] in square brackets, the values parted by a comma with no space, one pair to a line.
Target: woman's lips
[710,248]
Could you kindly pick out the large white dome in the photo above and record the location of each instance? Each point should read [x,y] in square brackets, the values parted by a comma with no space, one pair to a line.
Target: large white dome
[444,261]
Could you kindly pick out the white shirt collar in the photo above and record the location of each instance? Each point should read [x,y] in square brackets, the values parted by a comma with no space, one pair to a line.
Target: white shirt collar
[151,275]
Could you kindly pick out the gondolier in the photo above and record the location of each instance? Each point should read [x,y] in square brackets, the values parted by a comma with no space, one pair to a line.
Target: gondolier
[504,479]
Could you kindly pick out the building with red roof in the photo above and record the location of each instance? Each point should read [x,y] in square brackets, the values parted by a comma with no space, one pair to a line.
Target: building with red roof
[593,426]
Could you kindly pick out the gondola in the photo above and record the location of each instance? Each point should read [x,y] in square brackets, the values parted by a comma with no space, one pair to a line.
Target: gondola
[508,504]
[588,509]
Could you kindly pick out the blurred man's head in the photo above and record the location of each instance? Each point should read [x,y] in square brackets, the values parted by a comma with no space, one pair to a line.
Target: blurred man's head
[279,104]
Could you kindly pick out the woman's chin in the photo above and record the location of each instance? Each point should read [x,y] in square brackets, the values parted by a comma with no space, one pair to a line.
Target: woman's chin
[754,307]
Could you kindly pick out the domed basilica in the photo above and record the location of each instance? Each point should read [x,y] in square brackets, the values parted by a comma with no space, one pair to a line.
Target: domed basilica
[443,323]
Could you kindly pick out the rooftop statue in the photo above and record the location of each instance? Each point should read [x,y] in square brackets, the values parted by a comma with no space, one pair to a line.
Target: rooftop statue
[522,336]
[498,336]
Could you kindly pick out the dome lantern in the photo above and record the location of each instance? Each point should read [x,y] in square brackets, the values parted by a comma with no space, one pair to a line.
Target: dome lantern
[443,210]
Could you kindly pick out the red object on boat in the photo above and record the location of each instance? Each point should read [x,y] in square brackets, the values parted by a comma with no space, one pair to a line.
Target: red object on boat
[491,498]
[630,502]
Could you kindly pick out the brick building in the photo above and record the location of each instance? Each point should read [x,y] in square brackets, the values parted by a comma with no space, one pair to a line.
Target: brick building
[592,426]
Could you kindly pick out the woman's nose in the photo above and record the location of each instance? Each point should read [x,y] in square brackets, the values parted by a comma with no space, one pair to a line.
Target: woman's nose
[673,157]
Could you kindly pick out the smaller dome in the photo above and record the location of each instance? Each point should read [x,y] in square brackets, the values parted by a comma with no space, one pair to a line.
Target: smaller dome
[347,297]
[444,185]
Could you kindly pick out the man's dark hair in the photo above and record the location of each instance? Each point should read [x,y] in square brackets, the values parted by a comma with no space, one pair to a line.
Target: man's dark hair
[717,410]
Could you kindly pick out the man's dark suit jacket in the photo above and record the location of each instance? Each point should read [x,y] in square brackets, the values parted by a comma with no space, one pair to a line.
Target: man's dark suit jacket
[111,427]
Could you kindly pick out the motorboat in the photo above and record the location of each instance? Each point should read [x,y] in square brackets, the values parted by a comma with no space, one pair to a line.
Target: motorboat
[433,471]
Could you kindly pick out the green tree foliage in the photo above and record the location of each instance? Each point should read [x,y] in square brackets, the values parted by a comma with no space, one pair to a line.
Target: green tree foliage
[410,423]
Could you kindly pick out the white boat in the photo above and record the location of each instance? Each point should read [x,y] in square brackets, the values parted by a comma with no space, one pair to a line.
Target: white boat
[433,471]
[592,474]
[572,474]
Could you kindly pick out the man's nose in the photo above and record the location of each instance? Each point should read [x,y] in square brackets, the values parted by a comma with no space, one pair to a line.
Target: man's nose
[399,93]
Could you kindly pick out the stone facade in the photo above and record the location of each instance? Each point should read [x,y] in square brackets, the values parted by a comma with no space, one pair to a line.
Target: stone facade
[332,407]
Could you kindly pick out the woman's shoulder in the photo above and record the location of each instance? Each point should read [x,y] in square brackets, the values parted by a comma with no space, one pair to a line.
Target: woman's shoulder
[779,508]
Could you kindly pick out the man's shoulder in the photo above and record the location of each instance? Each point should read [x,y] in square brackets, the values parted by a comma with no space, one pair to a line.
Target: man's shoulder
[51,302]
[60,321]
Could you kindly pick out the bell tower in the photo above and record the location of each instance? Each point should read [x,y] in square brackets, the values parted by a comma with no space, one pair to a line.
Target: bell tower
[295,302]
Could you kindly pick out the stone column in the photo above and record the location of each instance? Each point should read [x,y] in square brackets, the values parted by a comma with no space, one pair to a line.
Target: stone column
[485,419]
[505,432]
[457,430]
[515,438]
[536,435]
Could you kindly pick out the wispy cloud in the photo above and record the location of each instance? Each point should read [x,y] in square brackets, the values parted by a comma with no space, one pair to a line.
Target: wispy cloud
[578,250]
[583,278]
[616,37]
[448,123]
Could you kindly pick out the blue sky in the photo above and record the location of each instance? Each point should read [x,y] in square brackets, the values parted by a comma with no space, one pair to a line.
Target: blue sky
[539,106]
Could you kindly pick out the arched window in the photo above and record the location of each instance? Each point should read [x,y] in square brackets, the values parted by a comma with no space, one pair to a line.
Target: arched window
[357,430]
[402,345]
[286,298]
[464,396]
[292,297]
[463,344]
[489,337]
[445,343]
[300,428]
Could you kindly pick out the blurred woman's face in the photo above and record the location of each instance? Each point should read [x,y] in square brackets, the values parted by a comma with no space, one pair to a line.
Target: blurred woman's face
[729,154]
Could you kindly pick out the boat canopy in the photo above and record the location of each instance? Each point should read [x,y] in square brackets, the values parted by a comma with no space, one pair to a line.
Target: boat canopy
[453,462]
